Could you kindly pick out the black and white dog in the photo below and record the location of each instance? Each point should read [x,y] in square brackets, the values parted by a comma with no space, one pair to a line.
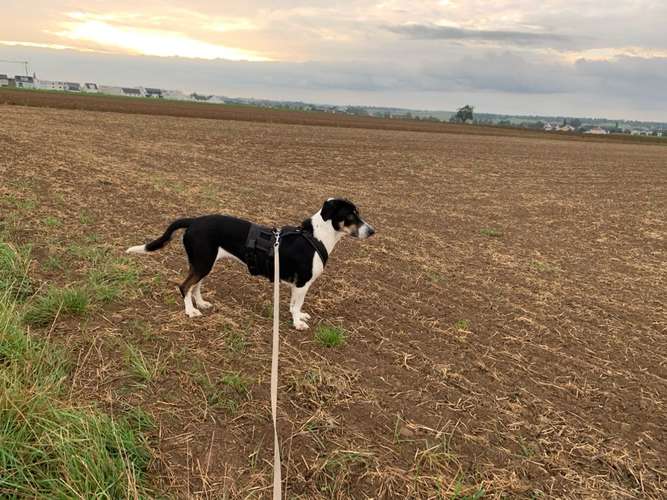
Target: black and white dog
[303,251]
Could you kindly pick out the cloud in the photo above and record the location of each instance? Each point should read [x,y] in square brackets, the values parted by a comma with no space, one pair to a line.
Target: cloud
[435,32]
[107,34]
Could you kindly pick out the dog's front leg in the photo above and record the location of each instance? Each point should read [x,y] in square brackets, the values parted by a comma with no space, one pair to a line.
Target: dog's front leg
[296,302]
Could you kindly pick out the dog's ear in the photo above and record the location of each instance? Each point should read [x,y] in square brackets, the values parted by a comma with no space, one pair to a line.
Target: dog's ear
[328,209]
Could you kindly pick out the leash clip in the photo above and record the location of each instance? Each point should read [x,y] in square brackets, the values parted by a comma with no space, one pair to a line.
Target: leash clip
[276,233]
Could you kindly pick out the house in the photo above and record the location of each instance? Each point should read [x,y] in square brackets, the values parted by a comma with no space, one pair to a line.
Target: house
[597,131]
[72,87]
[548,127]
[199,97]
[4,81]
[90,88]
[24,82]
[49,85]
[176,95]
[154,93]
[216,100]
[566,128]
[110,90]
[130,92]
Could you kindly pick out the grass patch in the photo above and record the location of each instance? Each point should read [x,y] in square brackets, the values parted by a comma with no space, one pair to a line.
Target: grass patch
[52,222]
[227,393]
[50,448]
[476,494]
[56,302]
[542,266]
[334,472]
[145,369]
[490,232]
[329,336]
[53,263]
[111,277]
[236,342]
[22,203]
[86,218]
[462,324]
[14,264]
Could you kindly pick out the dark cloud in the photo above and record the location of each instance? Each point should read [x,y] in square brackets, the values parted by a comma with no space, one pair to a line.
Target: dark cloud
[434,32]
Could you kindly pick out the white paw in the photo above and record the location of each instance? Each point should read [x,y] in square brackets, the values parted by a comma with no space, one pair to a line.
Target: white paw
[300,325]
[202,304]
[304,316]
[193,313]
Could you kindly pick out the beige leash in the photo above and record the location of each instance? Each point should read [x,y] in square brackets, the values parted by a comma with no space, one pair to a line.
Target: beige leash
[277,475]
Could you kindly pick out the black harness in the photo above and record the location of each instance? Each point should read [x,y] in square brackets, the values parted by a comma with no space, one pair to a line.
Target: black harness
[260,243]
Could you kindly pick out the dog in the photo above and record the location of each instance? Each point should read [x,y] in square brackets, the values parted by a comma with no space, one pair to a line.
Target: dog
[303,250]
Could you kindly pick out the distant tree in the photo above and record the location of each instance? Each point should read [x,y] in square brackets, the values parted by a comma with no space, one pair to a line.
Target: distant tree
[463,114]
[575,122]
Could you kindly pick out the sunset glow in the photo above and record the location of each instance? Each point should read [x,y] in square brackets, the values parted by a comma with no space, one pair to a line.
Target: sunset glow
[151,42]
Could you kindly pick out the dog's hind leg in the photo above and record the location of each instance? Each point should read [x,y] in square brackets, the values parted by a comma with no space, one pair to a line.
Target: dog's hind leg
[186,288]
[201,258]
[199,300]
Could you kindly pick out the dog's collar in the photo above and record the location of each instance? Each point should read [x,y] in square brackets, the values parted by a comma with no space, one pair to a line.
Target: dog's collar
[310,238]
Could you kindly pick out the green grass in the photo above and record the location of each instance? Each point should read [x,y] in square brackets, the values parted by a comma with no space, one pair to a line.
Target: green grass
[52,222]
[493,233]
[462,324]
[236,342]
[53,263]
[14,263]
[227,393]
[86,218]
[145,369]
[50,448]
[61,302]
[111,277]
[329,336]
[475,495]
[24,204]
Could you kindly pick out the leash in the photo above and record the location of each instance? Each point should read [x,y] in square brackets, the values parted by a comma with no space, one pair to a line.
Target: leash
[277,475]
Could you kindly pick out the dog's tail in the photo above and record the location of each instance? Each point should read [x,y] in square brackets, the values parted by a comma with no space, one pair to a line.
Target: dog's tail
[162,240]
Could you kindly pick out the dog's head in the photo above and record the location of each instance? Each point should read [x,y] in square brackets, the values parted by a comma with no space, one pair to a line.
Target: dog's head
[344,217]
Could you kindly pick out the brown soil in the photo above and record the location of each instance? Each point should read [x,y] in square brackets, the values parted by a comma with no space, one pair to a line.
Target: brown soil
[506,327]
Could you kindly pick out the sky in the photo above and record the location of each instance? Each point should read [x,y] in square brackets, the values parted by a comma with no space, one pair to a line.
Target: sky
[554,57]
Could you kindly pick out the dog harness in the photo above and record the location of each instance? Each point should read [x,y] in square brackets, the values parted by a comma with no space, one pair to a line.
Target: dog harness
[259,247]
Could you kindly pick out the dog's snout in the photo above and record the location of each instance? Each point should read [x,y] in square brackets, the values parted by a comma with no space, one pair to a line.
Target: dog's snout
[371,230]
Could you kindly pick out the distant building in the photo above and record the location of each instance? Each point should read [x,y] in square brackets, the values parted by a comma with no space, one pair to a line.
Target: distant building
[49,85]
[110,90]
[4,81]
[154,93]
[216,100]
[566,128]
[132,92]
[176,95]
[597,131]
[24,82]
[90,88]
[72,87]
